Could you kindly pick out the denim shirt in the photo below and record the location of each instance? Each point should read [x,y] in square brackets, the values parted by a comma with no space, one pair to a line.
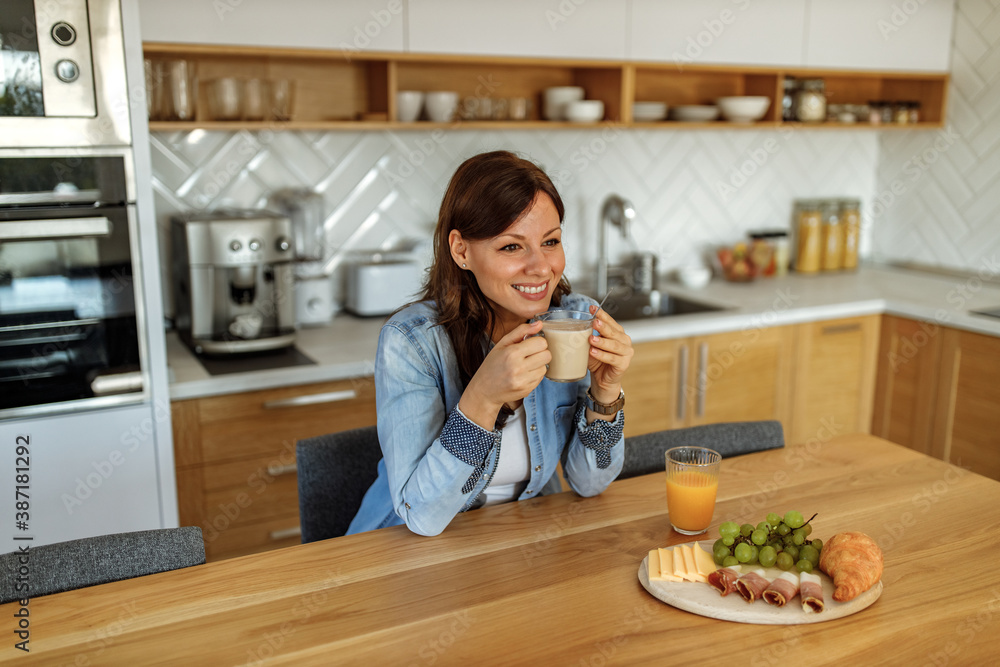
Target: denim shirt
[436,462]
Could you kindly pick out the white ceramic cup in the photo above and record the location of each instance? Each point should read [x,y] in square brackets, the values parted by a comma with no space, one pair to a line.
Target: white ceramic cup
[441,105]
[556,99]
[408,105]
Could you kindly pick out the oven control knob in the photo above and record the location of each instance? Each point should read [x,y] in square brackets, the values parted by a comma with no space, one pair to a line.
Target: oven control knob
[67,71]
[254,244]
[283,243]
[63,33]
[235,245]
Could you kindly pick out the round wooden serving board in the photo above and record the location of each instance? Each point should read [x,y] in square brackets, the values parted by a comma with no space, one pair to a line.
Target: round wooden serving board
[704,600]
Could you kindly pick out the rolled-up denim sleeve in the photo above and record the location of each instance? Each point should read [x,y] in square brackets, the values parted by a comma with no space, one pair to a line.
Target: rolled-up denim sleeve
[433,456]
[596,452]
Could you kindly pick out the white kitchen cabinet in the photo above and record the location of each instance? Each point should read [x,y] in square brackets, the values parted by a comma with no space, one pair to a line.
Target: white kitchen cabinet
[359,25]
[912,35]
[757,32]
[80,482]
[563,29]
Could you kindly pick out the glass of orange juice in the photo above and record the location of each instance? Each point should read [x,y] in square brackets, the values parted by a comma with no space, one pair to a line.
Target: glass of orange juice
[692,482]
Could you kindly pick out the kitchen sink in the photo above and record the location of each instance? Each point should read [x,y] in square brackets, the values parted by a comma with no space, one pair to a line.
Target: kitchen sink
[639,306]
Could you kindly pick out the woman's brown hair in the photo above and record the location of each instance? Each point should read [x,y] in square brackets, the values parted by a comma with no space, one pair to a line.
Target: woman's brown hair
[487,194]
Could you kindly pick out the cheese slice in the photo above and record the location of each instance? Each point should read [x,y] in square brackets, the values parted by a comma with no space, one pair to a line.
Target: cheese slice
[703,561]
[653,565]
[691,570]
[680,566]
[667,560]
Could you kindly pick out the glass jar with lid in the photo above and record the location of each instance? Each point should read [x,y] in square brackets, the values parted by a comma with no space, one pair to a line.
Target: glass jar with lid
[788,98]
[832,237]
[808,221]
[810,101]
[850,218]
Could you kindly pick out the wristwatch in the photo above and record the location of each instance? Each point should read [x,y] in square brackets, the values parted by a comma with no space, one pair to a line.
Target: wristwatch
[605,408]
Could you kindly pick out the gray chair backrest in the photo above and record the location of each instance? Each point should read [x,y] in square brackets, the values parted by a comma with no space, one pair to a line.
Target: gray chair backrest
[645,453]
[65,566]
[335,471]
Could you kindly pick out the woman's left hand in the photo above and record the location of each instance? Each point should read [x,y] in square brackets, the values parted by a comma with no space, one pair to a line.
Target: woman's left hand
[610,355]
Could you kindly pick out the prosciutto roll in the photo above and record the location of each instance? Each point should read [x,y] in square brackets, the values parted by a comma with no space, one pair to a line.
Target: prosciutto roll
[811,591]
[724,579]
[782,589]
[752,585]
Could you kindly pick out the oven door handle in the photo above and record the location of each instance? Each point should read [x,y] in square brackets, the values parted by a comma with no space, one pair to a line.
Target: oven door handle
[60,228]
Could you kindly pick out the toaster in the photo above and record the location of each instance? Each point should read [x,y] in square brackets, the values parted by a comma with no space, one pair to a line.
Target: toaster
[379,288]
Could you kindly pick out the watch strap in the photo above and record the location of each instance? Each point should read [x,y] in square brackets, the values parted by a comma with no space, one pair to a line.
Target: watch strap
[605,408]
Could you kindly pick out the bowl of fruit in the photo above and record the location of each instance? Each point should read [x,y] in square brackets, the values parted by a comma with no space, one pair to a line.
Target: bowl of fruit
[736,264]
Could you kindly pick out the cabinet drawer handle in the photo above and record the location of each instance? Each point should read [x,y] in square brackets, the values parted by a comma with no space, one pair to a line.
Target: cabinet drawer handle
[841,328]
[681,383]
[311,399]
[275,470]
[702,378]
[284,534]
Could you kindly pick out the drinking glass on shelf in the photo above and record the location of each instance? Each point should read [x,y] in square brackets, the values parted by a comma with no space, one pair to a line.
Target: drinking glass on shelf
[692,484]
[153,70]
[180,90]
[225,99]
[282,98]
[255,98]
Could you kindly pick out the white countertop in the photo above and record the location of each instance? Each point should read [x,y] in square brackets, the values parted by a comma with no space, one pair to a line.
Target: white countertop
[346,347]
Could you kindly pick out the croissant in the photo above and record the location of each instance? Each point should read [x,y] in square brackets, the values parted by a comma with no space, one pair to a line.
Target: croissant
[853,561]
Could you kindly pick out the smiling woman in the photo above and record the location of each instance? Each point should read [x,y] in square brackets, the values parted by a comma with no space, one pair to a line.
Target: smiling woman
[465,416]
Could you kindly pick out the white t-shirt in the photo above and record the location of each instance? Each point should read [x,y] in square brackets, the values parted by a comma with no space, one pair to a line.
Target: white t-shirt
[514,467]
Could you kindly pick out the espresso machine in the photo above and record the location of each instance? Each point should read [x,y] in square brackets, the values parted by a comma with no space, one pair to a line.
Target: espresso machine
[234,281]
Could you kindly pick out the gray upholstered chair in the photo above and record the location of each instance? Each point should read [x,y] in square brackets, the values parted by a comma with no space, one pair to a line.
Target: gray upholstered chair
[65,566]
[335,471]
[645,453]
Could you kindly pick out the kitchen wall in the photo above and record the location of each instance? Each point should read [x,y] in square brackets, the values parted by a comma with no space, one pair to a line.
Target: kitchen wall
[691,189]
[938,196]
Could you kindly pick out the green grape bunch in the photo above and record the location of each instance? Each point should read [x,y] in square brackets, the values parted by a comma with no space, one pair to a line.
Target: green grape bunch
[781,541]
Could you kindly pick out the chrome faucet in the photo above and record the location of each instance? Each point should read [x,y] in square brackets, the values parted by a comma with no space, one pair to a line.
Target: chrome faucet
[618,211]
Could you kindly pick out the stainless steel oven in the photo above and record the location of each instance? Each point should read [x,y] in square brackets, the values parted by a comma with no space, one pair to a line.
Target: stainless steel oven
[70,312]
[62,74]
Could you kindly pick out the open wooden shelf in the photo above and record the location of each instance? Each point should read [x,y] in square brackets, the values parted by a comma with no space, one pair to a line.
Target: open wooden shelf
[357,91]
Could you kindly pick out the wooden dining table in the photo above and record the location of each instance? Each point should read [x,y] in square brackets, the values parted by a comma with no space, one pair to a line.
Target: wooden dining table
[554,580]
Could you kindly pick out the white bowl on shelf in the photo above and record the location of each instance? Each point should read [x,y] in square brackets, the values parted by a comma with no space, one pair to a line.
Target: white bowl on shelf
[648,112]
[585,111]
[744,109]
[441,105]
[556,98]
[695,113]
[409,103]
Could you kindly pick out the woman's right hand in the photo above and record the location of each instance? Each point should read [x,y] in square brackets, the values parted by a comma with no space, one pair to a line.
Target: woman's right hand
[511,370]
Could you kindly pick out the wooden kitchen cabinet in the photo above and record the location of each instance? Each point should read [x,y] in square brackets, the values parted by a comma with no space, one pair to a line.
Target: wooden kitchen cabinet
[967,418]
[938,390]
[235,459]
[736,376]
[907,384]
[835,368]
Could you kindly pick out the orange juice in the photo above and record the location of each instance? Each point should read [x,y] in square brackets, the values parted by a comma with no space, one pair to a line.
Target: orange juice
[691,499]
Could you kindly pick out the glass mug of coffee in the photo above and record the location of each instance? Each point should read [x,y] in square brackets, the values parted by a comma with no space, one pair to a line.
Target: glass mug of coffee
[567,333]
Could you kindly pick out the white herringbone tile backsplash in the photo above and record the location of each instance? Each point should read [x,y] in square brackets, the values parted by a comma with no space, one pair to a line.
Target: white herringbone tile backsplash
[946,209]
[691,189]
